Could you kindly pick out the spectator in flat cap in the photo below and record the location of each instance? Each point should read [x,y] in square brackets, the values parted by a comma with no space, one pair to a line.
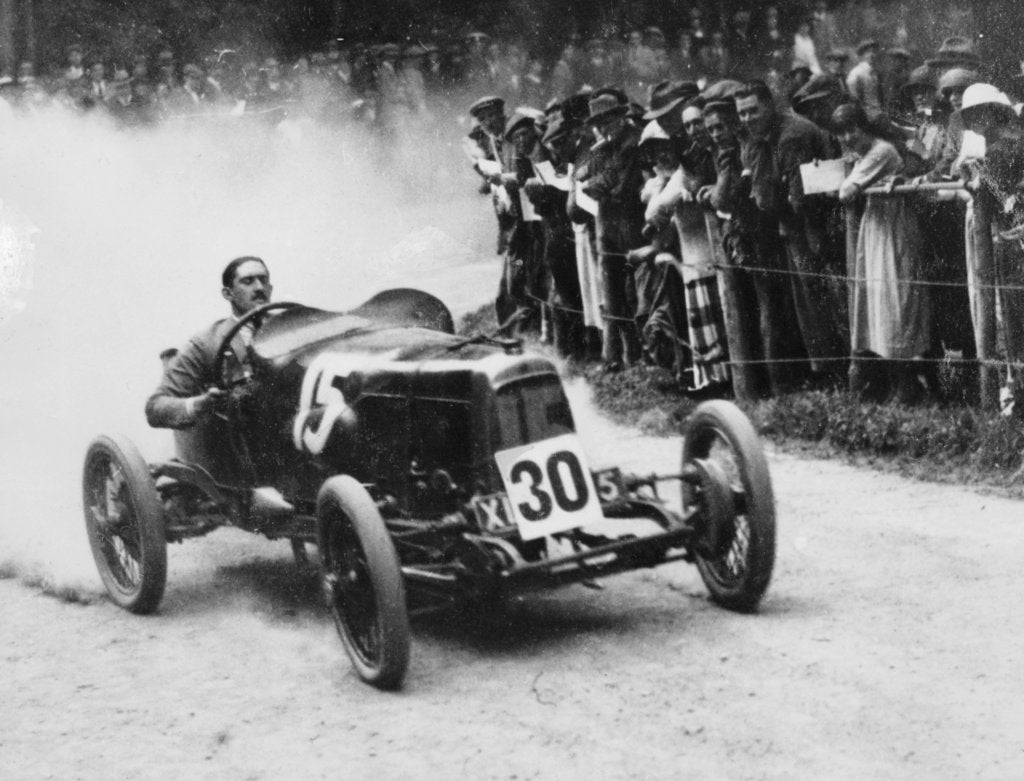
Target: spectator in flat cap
[523,284]
[485,145]
[752,293]
[817,100]
[615,183]
[863,82]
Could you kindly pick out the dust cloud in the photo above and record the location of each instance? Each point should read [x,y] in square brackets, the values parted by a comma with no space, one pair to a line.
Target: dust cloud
[111,247]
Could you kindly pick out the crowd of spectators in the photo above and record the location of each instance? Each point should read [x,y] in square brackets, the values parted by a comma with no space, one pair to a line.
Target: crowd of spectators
[651,208]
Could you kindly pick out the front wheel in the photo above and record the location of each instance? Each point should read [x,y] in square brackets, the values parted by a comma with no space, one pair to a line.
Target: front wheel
[732,489]
[125,523]
[362,582]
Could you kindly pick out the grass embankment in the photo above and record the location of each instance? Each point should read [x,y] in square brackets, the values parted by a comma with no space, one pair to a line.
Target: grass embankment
[945,443]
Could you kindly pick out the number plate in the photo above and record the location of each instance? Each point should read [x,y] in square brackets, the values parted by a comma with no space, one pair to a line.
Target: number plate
[550,488]
[493,512]
[610,486]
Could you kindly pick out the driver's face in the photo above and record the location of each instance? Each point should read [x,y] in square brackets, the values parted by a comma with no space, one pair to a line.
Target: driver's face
[250,289]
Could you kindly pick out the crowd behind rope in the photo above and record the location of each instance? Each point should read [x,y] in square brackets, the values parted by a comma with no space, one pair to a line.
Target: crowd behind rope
[676,229]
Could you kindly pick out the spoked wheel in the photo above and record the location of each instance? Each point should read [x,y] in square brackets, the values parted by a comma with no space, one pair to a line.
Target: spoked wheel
[125,522]
[735,546]
[362,582]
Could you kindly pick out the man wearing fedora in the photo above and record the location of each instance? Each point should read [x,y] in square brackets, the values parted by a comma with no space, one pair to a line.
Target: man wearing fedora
[615,183]
[956,51]
[666,105]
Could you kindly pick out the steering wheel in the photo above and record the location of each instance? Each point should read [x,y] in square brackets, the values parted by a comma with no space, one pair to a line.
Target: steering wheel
[224,349]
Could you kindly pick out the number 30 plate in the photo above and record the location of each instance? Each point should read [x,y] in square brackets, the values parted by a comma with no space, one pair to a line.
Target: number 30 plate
[549,486]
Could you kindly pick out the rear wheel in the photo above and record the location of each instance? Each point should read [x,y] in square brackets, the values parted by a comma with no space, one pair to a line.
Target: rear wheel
[731,485]
[125,523]
[362,582]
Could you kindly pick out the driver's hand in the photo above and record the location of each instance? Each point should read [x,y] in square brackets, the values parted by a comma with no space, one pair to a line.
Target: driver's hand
[205,405]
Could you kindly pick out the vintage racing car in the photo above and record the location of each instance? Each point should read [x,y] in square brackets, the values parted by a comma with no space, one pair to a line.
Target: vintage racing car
[421,461]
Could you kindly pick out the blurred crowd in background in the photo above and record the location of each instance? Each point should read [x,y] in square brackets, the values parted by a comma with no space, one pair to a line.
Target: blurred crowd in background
[668,209]
[374,81]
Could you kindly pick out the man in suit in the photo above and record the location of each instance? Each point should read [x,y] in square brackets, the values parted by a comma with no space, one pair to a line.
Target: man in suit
[188,395]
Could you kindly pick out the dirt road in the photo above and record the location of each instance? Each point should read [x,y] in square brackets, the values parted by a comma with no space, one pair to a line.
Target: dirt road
[889,645]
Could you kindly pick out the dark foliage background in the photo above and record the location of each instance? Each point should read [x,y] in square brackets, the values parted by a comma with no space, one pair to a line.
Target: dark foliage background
[112,29]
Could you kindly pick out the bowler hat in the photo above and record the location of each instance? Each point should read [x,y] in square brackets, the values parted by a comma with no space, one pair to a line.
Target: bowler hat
[666,95]
[605,106]
[483,105]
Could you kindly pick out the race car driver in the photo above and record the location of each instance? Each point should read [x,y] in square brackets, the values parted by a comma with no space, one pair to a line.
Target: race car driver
[188,393]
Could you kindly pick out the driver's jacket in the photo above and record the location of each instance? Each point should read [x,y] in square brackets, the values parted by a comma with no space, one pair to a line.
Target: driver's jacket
[190,373]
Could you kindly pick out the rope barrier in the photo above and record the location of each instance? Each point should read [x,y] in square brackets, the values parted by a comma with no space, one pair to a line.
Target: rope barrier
[868,280]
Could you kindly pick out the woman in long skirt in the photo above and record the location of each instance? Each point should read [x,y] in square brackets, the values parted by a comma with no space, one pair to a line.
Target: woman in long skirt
[891,314]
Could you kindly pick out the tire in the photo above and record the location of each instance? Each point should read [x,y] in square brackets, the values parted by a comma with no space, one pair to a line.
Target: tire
[362,582]
[125,522]
[735,545]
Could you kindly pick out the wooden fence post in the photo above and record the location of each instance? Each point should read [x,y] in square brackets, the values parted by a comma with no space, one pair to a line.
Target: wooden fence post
[982,274]
[852,212]
[745,386]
